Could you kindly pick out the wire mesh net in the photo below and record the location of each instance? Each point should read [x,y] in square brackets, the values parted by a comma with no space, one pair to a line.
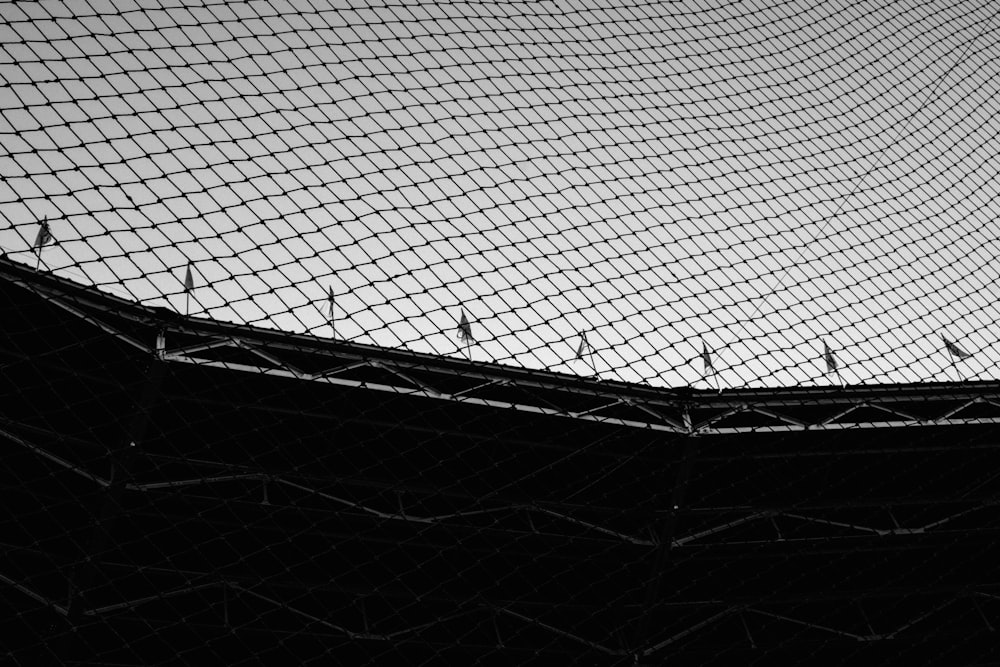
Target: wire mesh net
[435,332]
[752,178]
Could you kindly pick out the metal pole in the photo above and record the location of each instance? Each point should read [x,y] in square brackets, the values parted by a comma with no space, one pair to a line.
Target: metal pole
[111,509]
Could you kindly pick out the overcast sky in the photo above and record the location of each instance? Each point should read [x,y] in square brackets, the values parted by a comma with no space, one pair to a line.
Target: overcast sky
[758,176]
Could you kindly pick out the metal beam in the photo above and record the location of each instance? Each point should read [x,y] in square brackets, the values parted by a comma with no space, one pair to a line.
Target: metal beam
[548,511]
[34,595]
[665,408]
[665,544]
[668,425]
[59,300]
[421,392]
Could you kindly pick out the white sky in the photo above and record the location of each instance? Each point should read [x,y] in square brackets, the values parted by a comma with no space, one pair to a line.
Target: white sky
[757,175]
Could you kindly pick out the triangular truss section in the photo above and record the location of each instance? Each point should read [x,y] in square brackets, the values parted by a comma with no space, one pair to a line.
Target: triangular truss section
[682,411]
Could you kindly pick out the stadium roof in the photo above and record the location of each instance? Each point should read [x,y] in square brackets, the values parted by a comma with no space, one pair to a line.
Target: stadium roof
[192,490]
[164,333]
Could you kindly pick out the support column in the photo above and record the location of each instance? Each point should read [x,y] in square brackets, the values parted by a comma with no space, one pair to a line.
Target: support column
[83,577]
[666,538]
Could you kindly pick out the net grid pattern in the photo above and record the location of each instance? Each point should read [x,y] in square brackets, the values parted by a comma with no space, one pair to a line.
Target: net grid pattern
[758,177]
[634,333]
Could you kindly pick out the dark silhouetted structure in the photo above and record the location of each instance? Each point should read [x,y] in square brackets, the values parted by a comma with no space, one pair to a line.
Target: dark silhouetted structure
[183,490]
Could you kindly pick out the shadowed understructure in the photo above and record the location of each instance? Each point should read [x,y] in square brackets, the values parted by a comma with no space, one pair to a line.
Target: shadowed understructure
[193,490]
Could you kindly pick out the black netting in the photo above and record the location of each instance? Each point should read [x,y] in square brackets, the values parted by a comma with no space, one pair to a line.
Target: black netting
[658,175]
[506,333]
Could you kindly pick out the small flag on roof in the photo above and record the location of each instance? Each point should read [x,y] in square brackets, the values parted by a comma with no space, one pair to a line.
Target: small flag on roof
[330,297]
[44,236]
[831,361]
[584,347]
[465,329]
[706,359]
[954,350]
[188,279]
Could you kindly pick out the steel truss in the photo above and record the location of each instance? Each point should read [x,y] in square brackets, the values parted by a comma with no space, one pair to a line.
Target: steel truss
[519,611]
[584,529]
[225,587]
[680,411]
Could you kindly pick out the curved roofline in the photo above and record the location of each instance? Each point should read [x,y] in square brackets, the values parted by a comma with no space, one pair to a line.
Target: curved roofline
[682,410]
[18,273]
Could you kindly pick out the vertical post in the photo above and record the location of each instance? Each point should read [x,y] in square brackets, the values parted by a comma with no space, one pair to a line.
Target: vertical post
[225,603]
[665,544]
[86,571]
[746,629]
[868,624]
[892,516]
[989,626]
[333,314]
